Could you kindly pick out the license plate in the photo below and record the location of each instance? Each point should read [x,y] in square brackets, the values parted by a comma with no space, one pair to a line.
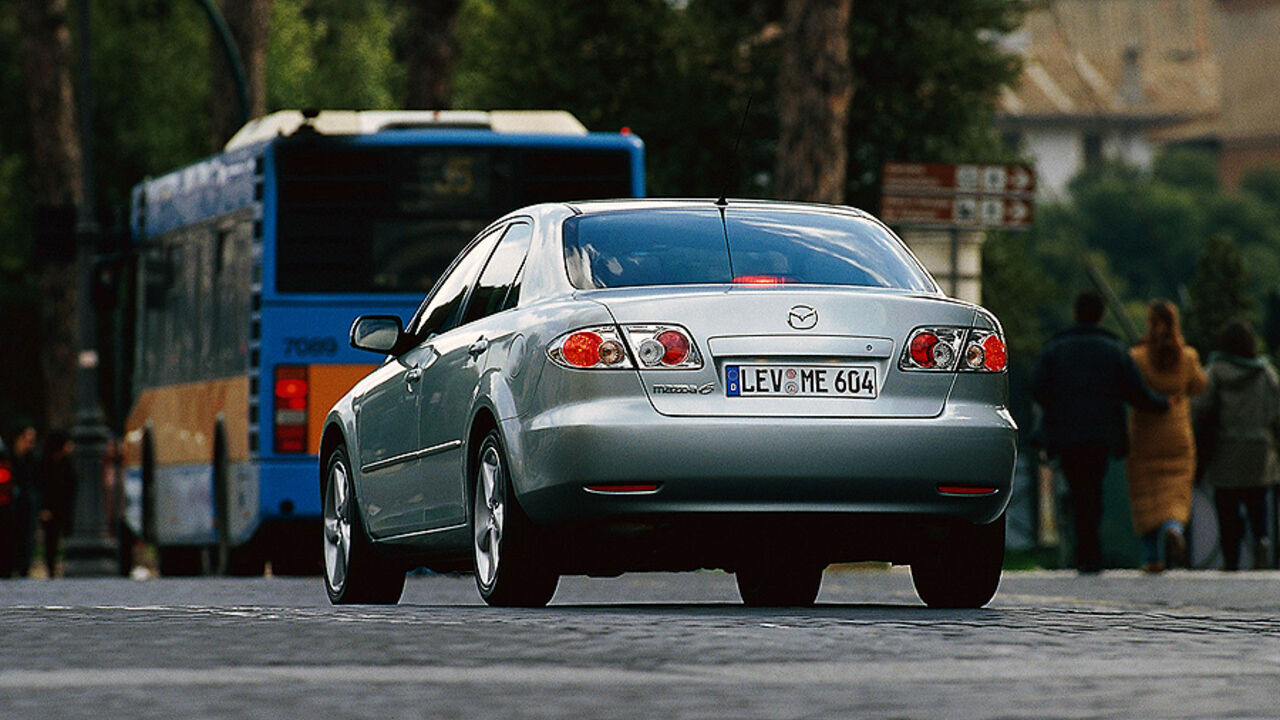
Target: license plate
[776,380]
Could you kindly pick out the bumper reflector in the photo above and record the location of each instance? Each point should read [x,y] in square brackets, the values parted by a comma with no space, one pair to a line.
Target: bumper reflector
[967,490]
[614,488]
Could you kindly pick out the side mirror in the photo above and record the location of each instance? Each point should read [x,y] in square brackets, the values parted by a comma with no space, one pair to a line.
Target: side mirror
[376,333]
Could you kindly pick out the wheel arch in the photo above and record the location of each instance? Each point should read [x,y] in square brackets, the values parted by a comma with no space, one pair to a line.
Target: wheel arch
[483,421]
[332,437]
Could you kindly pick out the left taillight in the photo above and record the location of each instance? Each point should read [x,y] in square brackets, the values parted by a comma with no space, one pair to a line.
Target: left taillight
[951,349]
[292,391]
[607,347]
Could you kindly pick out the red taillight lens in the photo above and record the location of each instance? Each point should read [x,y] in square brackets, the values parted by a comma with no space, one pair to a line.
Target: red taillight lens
[676,345]
[291,390]
[759,280]
[922,349]
[996,356]
[6,485]
[582,349]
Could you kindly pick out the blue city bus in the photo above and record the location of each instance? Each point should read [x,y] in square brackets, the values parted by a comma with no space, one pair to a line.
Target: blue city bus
[251,265]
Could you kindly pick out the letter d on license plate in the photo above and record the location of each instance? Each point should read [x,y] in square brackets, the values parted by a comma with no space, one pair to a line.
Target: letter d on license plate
[775,380]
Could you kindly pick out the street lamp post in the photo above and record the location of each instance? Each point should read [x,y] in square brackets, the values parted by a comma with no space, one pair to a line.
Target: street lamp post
[89,550]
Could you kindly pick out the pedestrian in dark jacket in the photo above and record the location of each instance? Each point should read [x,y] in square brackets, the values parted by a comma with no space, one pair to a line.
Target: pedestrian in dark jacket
[59,477]
[26,499]
[1239,414]
[1082,381]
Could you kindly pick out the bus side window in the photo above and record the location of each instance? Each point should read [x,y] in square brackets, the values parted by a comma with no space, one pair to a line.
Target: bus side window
[443,311]
[500,274]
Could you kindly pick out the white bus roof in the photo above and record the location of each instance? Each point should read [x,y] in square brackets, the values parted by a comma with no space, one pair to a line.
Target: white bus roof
[365,122]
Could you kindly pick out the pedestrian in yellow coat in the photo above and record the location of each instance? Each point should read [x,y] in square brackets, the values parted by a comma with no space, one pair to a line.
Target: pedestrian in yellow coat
[1162,457]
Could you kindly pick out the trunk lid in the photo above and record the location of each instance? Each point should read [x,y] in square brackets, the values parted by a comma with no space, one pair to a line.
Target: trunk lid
[817,351]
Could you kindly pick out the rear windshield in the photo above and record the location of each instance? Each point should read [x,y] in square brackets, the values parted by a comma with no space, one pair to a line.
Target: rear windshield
[684,246]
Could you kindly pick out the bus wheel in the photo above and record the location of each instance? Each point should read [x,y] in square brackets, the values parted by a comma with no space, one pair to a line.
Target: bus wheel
[125,540]
[510,570]
[248,559]
[353,572]
[179,560]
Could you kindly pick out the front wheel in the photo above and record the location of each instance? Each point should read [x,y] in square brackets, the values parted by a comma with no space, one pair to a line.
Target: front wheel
[510,569]
[353,572]
[962,568]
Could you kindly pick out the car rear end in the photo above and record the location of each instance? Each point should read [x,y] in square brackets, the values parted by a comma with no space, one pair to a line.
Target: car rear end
[777,394]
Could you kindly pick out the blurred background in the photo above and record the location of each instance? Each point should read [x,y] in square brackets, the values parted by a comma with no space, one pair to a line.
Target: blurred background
[1153,127]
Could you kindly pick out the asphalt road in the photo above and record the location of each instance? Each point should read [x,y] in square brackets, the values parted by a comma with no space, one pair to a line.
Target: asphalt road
[1185,644]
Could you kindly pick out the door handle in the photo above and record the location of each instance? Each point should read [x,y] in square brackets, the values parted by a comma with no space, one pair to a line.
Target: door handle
[413,375]
[478,347]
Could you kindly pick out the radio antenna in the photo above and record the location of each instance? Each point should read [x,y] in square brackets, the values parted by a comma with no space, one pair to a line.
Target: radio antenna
[723,201]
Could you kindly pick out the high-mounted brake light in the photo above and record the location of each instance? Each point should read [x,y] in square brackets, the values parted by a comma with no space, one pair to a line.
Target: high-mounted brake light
[760,280]
[291,391]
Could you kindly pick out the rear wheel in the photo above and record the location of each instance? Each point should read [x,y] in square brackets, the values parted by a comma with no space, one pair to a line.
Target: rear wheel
[962,570]
[353,573]
[776,585]
[510,570]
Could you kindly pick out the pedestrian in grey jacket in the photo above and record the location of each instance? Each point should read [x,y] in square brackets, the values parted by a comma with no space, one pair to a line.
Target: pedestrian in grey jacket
[1239,414]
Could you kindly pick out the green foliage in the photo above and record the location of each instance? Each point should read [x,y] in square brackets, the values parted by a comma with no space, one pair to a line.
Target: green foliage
[1150,230]
[680,74]
[1218,293]
[151,89]
[333,54]
[1187,168]
[928,74]
[1263,183]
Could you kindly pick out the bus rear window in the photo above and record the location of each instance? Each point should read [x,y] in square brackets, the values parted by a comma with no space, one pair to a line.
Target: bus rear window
[683,246]
[371,218]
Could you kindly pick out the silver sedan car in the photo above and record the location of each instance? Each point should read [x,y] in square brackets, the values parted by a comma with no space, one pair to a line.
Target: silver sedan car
[612,386]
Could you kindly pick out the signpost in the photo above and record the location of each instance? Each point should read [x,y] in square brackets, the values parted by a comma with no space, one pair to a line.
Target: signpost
[957,198]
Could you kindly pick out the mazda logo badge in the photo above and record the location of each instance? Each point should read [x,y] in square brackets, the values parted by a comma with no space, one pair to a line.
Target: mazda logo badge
[802,317]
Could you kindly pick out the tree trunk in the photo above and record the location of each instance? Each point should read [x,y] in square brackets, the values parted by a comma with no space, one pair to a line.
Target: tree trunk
[430,47]
[815,89]
[250,24]
[47,58]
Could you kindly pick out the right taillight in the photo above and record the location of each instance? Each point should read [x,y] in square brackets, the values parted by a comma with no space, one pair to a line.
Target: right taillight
[950,349]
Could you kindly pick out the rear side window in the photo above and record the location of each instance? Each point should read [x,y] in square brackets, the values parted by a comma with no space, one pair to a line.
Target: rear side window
[684,246]
[499,276]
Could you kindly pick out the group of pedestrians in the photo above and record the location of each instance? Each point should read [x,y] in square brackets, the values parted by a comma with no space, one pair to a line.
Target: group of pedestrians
[1222,426]
[40,493]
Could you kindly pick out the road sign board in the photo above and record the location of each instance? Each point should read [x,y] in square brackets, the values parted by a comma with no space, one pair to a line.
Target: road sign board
[968,195]
[944,178]
[971,211]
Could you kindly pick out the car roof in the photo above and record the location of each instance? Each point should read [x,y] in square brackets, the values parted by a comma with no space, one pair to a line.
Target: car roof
[588,207]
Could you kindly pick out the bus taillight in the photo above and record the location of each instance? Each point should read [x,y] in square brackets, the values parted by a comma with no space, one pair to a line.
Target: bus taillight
[291,391]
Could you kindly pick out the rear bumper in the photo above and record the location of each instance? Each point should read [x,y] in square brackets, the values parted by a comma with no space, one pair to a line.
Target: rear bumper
[730,467]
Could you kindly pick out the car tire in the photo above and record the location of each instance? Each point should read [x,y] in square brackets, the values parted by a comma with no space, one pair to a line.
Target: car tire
[962,570]
[776,585]
[509,562]
[353,572]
